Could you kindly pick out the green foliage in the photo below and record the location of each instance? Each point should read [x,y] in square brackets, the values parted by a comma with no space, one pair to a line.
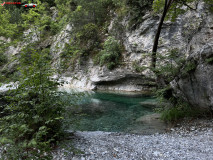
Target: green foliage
[179,111]
[39,20]
[16,15]
[163,93]
[82,12]
[174,109]
[137,67]
[210,3]
[50,3]
[89,20]
[174,10]
[86,41]
[169,65]
[33,119]
[188,67]
[3,59]
[209,60]
[172,64]
[6,28]
[69,57]
[89,31]
[158,5]
[55,26]
[87,38]
[137,9]
[110,55]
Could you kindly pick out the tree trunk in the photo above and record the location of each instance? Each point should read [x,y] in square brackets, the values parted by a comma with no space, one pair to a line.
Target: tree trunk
[157,35]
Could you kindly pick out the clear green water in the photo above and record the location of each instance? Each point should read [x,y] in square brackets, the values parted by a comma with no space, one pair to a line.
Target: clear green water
[112,112]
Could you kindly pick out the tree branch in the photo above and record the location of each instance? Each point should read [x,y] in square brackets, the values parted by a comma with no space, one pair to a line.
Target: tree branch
[169,4]
[185,4]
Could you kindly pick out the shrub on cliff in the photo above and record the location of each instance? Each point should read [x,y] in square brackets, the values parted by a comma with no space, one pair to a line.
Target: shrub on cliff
[3,59]
[7,29]
[110,55]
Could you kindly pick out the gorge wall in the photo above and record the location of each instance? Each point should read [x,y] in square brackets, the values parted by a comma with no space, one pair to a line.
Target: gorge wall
[191,34]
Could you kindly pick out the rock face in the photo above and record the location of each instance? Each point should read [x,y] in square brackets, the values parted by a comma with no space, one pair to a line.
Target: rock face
[197,86]
[191,34]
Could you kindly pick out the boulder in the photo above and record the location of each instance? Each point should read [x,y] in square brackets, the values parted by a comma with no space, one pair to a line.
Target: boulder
[196,87]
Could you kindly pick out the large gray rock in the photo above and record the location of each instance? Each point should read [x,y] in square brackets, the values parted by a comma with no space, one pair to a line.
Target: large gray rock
[197,86]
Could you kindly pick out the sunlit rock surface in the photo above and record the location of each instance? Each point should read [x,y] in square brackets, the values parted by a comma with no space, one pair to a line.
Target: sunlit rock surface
[191,34]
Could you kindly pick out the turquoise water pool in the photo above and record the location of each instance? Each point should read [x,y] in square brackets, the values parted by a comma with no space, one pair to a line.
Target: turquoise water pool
[113,112]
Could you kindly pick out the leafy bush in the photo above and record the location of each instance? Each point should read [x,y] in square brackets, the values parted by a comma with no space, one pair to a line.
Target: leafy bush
[85,42]
[181,110]
[82,12]
[137,9]
[210,3]
[69,56]
[88,19]
[173,109]
[55,27]
[3,59]
[172,64]
[110,55]
[188,67]
[39,21]
[33,119]
[137,67]
[169,65]
[87,39]
[7,29]
[209,60]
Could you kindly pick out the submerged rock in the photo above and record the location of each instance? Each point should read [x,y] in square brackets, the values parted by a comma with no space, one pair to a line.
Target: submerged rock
[148,118]
[150,124]
[152,104]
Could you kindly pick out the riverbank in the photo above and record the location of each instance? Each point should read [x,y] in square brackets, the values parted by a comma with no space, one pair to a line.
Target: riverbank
[189,140]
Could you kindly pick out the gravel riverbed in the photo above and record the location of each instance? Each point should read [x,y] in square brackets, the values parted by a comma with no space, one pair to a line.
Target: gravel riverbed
[188,141]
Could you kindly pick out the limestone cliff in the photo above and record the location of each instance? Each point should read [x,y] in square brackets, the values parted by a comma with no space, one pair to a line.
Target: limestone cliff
[191,34]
